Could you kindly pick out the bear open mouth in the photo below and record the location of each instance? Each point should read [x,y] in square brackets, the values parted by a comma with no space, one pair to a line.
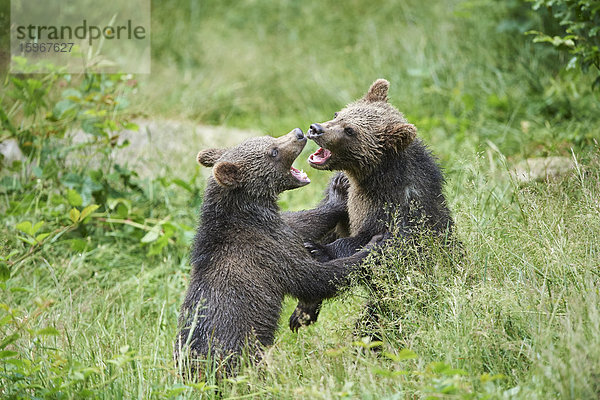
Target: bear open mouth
[320,156]
[299,175]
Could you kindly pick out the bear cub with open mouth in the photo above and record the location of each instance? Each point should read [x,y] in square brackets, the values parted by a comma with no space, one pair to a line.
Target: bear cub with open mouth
[391,173]
[245,257]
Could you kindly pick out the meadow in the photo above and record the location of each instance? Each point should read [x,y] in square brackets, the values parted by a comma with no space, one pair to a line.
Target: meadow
[95,235]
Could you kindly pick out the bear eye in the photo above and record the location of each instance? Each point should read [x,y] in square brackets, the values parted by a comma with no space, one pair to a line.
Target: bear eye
[274,153]
[349,131]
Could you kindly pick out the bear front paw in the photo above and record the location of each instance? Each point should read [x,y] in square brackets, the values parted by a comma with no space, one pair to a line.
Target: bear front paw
[338,189]
[340,183]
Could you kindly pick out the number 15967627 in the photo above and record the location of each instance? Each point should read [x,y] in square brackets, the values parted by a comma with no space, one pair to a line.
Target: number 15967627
[48,47]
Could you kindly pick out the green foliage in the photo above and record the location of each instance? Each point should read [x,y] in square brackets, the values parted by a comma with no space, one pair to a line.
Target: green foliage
[581,38]
[70,197]
[70,133]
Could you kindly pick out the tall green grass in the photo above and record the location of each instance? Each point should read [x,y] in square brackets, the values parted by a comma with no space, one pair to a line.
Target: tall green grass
[515,316]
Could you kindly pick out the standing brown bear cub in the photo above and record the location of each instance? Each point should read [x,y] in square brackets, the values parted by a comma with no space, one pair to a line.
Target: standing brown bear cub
[390,172]
[245,257]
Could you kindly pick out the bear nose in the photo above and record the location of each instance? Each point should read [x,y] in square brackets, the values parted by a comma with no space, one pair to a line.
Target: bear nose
[316,130]
[299,133]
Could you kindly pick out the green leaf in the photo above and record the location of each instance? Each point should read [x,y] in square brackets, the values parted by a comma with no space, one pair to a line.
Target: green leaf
[88,210]
[84,185]
[120,206]
[71,180]
[25,226]
[76,376]
[489,378]
[37,171]
[404,354]
[74,215]
[8,340]
[445,369]
[74,198]
[36,228]
[122,211]
[4,272]
[63,107]
[7,353]
[173,392]
[21,364]
[90,370]
[169,229]
[71,94]
[182,184]
[49,331]
[78,245]
[30,241]
[157,246]
[131,126]
[40,238]
[389,374]
[89,186]
[152,235]
[367,344]
[19,290]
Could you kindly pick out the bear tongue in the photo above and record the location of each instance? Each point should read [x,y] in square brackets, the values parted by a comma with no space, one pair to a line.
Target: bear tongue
[299,175]
[320,156]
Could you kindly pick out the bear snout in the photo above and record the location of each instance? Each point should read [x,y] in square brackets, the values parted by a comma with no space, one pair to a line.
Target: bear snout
[299,134]
[315,130]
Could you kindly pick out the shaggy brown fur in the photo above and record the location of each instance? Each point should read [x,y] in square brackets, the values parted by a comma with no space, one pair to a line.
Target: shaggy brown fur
[390,173]
[245,258]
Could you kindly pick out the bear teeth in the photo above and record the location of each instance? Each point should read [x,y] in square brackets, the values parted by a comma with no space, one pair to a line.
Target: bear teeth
[320,156]
[299,175]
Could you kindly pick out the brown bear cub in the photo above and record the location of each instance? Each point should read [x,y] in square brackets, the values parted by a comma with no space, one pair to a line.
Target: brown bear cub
[390,172]
[245,257]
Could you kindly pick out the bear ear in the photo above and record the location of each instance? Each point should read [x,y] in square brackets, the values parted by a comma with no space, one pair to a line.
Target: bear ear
[227,173]
[400,135]
[378,91]
[209,157]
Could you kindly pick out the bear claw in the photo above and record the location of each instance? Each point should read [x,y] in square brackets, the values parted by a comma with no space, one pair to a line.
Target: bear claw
[317,251]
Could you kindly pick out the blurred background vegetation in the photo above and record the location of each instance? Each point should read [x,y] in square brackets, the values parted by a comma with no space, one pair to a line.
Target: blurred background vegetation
[463,67]
[98,214]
